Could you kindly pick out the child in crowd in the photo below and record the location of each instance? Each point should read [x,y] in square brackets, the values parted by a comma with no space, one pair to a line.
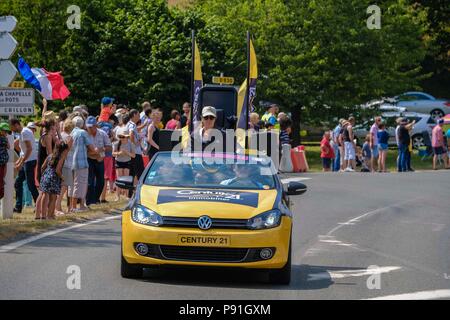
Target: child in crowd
[326,151]
[107,109]
[4,156]
[366,155]
[123,152]
[383,138]
[51,179]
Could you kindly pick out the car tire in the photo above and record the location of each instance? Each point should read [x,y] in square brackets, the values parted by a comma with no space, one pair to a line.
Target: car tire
[130,271]
[436,113]
[418,141]
[283,275]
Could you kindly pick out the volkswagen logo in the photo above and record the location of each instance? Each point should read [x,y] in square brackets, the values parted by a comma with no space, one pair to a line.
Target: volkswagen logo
[204,222]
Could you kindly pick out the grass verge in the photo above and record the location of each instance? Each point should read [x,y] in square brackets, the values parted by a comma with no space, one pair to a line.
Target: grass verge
[23,224]
[315,162]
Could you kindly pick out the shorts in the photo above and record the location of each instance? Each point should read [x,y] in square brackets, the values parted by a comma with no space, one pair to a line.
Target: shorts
[374,151]
[349,151]
[438,150]
[383,146]
[67,175]
[109,168]
[123,165]
[326,163]
[80,184]
[137,166]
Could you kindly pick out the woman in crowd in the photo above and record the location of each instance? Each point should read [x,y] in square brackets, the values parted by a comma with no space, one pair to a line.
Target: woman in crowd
[50,183]
[67,174]
[123,152]
[383,138]
[153,133]
[45,148]
[174,123]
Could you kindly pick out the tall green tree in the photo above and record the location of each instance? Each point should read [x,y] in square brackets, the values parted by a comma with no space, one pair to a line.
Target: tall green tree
[318,58]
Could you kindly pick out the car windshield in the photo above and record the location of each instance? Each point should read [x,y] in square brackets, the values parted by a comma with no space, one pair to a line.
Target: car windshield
[222,171]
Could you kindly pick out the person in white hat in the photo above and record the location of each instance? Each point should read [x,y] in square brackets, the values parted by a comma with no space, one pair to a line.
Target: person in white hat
[123,152]
[207,134]
[31,125]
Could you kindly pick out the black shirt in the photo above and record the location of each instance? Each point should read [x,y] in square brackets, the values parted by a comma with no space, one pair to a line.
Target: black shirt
[183,121]
[403,135]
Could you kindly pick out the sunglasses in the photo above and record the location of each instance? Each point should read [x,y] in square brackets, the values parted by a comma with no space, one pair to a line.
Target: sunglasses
[209,118]
[123,137]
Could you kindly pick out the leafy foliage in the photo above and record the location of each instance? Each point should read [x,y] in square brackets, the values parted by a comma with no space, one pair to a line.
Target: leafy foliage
[316,58]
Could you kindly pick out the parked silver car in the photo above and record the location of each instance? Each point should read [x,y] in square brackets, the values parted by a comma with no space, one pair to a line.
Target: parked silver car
[424,124]
[423,103]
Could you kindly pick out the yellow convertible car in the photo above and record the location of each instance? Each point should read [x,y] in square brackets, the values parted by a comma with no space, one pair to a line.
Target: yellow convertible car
[215,210]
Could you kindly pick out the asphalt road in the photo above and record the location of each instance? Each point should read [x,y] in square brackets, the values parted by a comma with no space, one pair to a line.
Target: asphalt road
[391,231]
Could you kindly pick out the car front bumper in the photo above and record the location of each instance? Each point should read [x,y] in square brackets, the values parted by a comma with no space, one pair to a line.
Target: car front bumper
[164,240]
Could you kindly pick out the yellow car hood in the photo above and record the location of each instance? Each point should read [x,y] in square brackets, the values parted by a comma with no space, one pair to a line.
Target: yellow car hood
[216,203]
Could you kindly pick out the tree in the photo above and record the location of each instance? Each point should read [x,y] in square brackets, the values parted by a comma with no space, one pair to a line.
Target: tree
[320,56]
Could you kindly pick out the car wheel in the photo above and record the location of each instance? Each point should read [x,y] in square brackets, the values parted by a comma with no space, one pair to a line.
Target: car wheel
[283,275]
[418,141]
[436,113]
[130,271]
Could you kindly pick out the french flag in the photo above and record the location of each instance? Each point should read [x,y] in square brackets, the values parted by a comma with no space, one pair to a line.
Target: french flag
[49,84]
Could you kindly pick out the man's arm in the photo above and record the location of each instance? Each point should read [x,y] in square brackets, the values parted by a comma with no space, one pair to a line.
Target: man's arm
[44,106]
[107,143]
[350,133]
[27,154]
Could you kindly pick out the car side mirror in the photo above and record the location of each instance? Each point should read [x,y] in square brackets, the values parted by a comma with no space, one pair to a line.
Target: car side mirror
[296,188]
[125,182]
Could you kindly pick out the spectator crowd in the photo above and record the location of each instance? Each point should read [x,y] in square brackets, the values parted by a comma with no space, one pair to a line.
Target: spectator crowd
[340,151]
[76,157]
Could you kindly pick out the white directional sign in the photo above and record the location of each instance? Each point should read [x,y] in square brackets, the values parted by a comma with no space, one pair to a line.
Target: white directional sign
[7,45]
[8,73]
[17,102]
[7,24]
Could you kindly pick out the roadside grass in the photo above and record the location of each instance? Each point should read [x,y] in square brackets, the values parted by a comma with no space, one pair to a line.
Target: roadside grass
[315,162]
[22,224]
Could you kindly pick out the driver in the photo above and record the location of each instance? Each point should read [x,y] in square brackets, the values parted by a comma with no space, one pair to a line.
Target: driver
[244,175]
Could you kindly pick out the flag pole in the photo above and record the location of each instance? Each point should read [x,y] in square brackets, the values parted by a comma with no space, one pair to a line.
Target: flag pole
[191,121]
[247,114]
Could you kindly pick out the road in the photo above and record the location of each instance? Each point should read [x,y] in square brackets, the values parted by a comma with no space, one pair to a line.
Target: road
[356,236]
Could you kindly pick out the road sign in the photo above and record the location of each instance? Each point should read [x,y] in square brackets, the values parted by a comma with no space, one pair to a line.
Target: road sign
[223,80]
[18,84]
[17,102]
[8,73]
[7,24]
[7,45]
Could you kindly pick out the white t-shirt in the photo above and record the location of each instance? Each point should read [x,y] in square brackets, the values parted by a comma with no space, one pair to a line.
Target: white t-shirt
[28,135]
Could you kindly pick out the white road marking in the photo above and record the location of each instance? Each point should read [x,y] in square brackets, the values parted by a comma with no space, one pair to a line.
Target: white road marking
[295,179]
[18,244]
[351,273]
[420,295]
[359,218]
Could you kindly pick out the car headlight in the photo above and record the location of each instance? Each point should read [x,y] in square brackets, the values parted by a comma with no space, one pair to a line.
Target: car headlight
[266,220]
[146,216]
